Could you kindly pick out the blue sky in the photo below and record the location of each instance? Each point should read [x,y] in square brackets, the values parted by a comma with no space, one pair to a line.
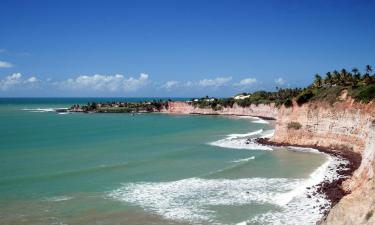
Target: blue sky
[177,48]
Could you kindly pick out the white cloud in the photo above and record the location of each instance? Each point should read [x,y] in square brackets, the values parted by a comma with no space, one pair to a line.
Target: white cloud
[280,81]
[32,80]
[216,82]
[99,82]
[16,80]
[246,82]
[4,64]
[169,85]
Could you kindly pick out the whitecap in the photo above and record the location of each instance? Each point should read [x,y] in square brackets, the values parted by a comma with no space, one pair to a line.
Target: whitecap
[43,109]
[241,141]
[58,198]
[246,134]
[268,134]
[244,160]
[259,120]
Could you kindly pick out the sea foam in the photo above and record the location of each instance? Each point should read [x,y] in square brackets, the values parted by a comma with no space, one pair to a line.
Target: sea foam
[241,141]
[189,199]
[303,204]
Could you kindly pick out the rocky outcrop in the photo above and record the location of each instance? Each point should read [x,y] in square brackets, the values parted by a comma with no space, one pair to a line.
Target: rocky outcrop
[345,126]
[269,111]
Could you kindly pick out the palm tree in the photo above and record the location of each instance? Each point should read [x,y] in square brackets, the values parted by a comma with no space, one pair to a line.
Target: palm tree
[357,77]
[368,69]
[318,81]
[328,78]
[336,77]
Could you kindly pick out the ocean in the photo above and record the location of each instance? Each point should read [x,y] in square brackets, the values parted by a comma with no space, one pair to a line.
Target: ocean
[148,168]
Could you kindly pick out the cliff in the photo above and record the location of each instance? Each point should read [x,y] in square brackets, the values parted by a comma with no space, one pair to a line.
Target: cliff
[264,111]
[345,126]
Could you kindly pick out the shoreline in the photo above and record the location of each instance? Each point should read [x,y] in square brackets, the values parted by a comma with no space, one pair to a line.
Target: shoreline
[331,190]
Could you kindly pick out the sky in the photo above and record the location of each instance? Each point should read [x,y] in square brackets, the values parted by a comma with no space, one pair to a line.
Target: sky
[180,48]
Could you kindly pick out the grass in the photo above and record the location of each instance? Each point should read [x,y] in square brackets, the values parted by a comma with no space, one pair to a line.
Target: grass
[330,94]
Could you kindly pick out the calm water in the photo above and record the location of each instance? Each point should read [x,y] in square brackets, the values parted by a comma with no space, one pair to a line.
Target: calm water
[142,169]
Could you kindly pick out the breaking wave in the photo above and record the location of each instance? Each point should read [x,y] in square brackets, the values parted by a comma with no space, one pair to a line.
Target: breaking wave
[43,109]
[189,199]
[192,199]
[241,141]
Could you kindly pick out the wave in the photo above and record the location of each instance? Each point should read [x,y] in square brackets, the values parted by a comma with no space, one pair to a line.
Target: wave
[193,199]
[241,141]
[246,134]
[303,204]
[244,160]
[303,149]
[43,109]
[58,198]
[259,120]
[268,134]
[190,199]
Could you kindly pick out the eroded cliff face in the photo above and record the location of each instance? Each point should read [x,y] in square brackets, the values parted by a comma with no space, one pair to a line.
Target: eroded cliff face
[344,126]
[261,110]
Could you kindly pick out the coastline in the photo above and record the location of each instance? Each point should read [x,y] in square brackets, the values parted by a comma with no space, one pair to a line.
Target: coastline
[331,190]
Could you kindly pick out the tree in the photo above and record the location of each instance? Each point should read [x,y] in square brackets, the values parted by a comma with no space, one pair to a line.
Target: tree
[318,81]
[355,71]
[336,77]
[368,69]
[328,78]
[367,78]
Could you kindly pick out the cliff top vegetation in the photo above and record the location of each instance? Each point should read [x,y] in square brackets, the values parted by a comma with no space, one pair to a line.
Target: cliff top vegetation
[360,86]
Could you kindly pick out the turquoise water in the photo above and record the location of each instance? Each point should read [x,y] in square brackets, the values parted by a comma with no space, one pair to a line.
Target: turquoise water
[142,169]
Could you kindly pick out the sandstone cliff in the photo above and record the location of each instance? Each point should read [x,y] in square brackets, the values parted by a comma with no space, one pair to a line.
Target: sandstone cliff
[261,110]
[344,126]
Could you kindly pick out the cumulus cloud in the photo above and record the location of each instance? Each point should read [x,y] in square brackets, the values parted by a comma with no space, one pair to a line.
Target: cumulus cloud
[216,82]
[169,85]
[204,83]
[111,83]
[4,64]
[16,80]
[246,82]
[280,81]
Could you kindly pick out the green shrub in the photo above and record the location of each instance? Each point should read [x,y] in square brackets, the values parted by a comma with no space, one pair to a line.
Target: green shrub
[365,94]
[329,94]
[294,125]
[288,103]
[304,97]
